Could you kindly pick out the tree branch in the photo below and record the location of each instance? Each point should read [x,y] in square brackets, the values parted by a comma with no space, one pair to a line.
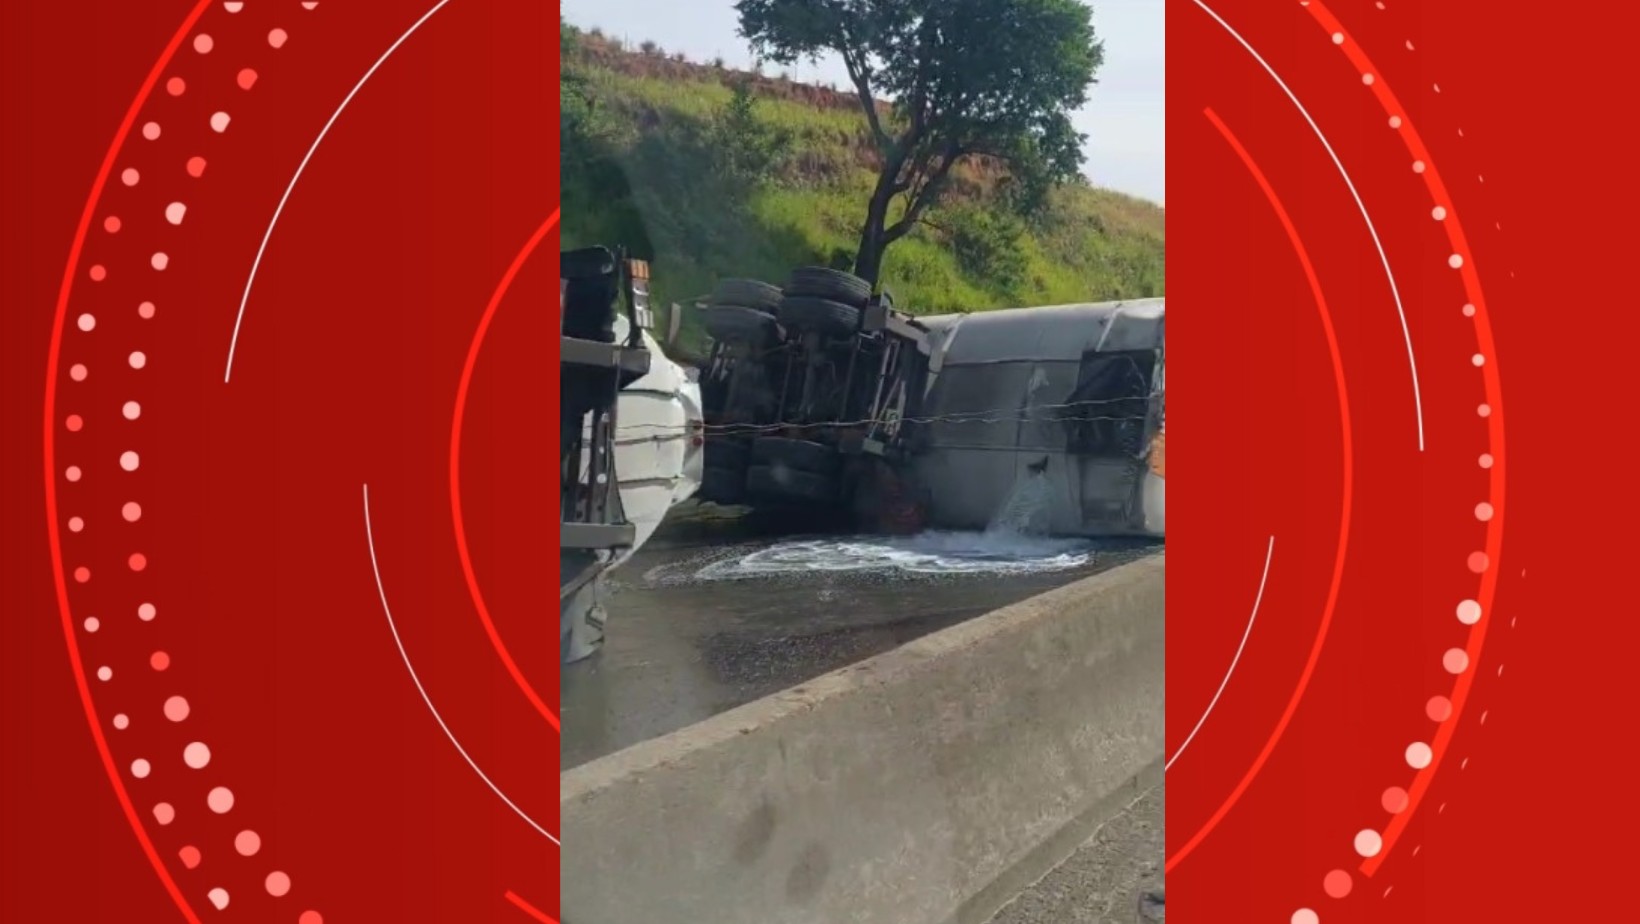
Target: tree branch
[924,196]
[859,72]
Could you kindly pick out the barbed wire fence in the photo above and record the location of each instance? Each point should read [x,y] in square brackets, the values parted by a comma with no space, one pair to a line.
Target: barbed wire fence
[1030,413]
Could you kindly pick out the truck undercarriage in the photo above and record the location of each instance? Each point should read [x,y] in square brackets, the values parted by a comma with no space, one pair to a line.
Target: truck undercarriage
[822,399]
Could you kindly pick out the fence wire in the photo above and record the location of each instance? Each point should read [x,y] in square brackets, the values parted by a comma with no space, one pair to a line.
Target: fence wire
[1022,414]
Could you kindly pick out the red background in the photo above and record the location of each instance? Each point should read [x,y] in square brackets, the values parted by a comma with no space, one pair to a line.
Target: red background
[373,287]
[1526,818]
[369,297]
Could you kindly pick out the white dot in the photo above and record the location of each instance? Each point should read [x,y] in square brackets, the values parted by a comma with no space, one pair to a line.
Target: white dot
[1486,460]
[138,359]
[78,372]
[1305,916]
[1394,121]
[1417,166]
[105,673]
[140,768]
[1456,660]
[219,122]
[129,176]
[203,43]
[1469,612]
[92,624]
[233,6]
[1483,511]
[218,897]
[1455,261]
[1367,79]
[72,473]
[87,322]
[122,721]
[146,309]
[146,612]
[132,410]
[75,524]
[164,813]
[1368,843]
[1468,311]
[1419,755]
[196,755]
[129,461]
[1338,38]
[1478,360]
[220,800]
[1484,410]
[174,212]
[1439,213]
[159,261]
[150,130]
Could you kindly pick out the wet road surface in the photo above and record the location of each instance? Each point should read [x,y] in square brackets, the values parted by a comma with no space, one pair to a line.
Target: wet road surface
[709,616]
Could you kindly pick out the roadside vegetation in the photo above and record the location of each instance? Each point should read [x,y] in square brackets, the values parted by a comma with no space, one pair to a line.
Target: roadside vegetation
[710,172]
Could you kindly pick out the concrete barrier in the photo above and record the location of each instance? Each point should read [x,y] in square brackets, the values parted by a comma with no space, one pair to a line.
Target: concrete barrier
[923,786]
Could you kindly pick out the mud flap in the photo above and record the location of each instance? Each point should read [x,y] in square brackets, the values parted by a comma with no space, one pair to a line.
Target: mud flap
[580,607]
[883,502]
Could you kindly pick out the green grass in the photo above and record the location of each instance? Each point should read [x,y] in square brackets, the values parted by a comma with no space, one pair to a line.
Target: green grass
[649,176]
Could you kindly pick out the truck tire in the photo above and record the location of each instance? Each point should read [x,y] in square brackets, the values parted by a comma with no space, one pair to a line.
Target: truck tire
[832,285]
[747,293]
[736,324]
[804,312]
[801,455]
[790,485]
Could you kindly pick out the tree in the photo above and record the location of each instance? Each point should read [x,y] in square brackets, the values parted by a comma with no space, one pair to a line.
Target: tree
[967,78]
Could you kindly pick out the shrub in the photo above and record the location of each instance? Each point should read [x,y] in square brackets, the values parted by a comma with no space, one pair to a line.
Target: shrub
[748,148]
[990,244]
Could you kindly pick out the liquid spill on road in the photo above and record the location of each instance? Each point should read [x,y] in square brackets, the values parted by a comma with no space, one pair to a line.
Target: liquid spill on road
[927,553]
[1012,545]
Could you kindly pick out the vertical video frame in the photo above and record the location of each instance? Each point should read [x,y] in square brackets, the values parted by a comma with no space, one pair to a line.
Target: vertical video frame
[862,472]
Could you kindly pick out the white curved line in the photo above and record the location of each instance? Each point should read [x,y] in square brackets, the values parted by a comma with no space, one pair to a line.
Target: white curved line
[371,539]
[1268,554]
[1412,361]
[256,264]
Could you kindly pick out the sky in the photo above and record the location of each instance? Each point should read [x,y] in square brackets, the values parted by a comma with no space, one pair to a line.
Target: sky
[1124,121]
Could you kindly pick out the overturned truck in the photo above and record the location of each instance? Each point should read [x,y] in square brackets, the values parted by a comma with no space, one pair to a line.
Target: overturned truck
[823,400]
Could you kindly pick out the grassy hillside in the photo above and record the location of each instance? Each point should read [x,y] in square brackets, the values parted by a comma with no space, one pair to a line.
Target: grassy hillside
[665,155]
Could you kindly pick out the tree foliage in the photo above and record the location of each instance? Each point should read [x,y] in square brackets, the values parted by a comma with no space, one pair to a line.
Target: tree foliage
[965,78]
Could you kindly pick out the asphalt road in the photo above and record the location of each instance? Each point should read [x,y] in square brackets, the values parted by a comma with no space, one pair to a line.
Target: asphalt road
[711,615]
[1103,881]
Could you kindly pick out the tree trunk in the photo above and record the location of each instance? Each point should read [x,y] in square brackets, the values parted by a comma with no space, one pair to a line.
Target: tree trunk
[868,260]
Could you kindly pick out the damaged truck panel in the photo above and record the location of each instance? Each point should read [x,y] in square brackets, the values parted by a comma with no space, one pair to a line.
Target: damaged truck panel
[1072,395]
